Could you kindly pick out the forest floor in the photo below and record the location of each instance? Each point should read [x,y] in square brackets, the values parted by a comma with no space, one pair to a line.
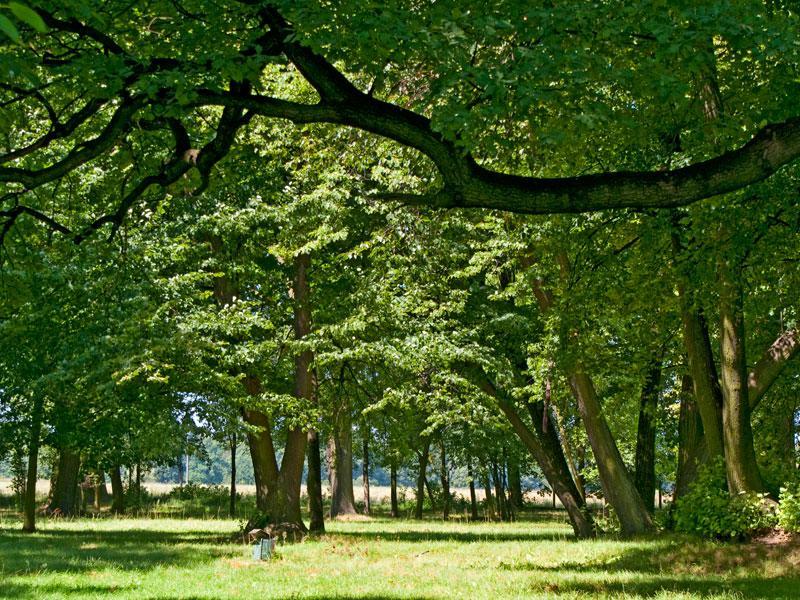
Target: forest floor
[381,558]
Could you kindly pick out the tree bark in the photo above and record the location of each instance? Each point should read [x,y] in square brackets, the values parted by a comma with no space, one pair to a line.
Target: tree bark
[117,490]
[691,445]
[740,457]
[29,518]
[422,466]
[697,343]
[262,451]
[617,483]
[645,461]
[340,472]
[65,496]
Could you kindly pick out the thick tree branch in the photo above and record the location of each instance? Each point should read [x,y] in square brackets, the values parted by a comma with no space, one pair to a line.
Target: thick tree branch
[468,185]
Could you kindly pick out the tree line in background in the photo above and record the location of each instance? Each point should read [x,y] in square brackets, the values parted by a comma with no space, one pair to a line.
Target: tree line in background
[507,239]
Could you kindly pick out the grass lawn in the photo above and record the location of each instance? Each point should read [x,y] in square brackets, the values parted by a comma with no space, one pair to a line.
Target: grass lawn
[165,558]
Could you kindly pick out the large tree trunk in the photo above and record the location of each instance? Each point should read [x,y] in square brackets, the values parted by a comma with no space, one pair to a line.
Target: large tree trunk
[365,473]
[395,512]
[740,457]
[444,476]
[65,495]
[314,484]
[645,461]
[262,451]
[340,472]
[29,519]
[617,483]
[117,490]
[691,446]
[422,466]
[283,493]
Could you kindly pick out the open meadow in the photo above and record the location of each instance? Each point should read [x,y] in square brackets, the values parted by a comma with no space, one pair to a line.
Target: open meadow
[381,558]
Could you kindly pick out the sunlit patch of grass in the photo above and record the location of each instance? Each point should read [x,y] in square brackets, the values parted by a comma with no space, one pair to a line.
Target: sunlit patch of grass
[380,558]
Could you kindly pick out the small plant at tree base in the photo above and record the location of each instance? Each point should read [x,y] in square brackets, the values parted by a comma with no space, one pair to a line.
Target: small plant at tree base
[709,510]
[789,507]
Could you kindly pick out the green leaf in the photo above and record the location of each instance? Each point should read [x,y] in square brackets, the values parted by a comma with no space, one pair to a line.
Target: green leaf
[28,15]
[8,28]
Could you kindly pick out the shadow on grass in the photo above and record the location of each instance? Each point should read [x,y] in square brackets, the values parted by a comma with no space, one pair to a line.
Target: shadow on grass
[675,566]
[78,551]
[24,590]
[740,587]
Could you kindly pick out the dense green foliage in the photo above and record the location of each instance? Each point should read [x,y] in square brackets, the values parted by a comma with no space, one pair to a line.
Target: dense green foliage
[511,245]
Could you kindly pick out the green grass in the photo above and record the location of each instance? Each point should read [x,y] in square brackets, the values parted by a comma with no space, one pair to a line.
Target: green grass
[166,558]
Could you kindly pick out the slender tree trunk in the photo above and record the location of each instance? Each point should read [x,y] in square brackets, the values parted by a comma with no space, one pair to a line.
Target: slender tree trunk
[232,505]
[29,522]
[314,484]
[139,486]
[614,477]
[740,457]
[316,508]
[65,497]
[473,499]
[395,512]
[444,475]
[645,460]
[499,492]
[117,490]
[423,465]
[491,510]
[365,474]
[547,451]
[617,483]
[697,343]
[566,447]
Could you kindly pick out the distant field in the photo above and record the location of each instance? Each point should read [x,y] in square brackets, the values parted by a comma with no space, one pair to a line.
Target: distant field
[377,493]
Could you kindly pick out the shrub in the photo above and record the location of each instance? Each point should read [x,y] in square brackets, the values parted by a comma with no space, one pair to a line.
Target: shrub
[709,510]
[789,507]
